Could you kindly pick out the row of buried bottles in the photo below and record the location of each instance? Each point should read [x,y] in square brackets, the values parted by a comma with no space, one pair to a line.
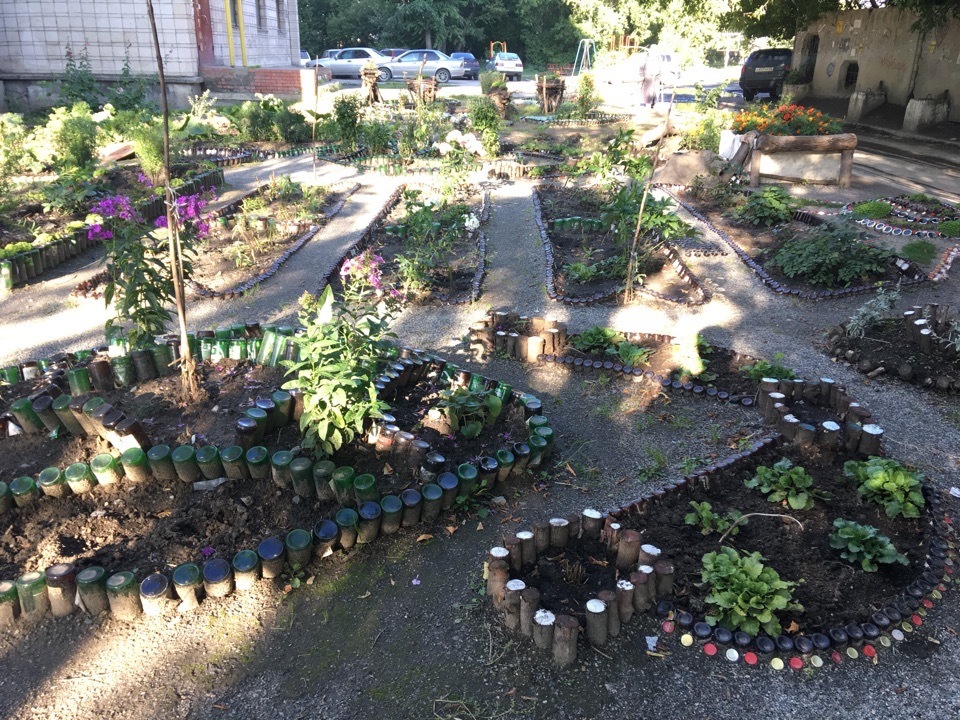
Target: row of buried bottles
[62,588]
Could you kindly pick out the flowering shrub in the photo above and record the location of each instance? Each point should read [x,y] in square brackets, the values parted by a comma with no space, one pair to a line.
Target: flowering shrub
[458,146]
[187,210]
[785,120]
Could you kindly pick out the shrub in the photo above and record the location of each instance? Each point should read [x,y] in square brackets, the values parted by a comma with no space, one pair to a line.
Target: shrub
[950,228]
[72,134]
[14,155]
[873,209]
[785,482]
[705,135]
[490,80]
[785,120]
[596,339]
[376,136]
[339,356]
[268,118]
[888,483]
[587,100]
[78,83]
[833,256]
[486,121]
[872,311]
[744,593]
[147,143]
[346,116]
[770,206]
[863,544]
[921,252]
[630,354]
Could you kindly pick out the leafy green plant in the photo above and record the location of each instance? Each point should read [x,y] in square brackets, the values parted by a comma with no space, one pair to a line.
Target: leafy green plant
[486,121]
[587,100]
[864,544]
[376,136]
[269,118]
[468,412]
[131,91]
[873,209]
[872,311]
[580,272]
[785,482]
[708,521]
[72,134]
[338,363]
[630,354]
[78,83]
[490,80]
[620,157]
[744,593]
[346,115]
[71,193]
[14,153]
[147,140]
[832,256]
[770,206]
[765,369]
[888,483]
[921,252]
[950,228]
[596,339]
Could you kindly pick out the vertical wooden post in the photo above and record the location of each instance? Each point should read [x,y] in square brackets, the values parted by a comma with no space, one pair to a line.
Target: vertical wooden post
[846,167]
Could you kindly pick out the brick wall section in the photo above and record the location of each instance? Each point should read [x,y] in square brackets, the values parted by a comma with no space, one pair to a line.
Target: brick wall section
[287,83]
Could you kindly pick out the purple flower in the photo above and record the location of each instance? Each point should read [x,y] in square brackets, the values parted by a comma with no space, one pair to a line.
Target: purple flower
[144,180]
[415,581]
[207,551]
[160,221]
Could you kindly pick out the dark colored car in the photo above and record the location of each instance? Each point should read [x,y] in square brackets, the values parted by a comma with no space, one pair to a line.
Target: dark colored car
[765,71]
[471,65]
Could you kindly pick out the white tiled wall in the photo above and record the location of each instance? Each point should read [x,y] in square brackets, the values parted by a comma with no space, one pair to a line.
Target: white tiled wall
[267,46]
[34,35]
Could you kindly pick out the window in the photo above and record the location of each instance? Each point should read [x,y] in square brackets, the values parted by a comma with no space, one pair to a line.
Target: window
[850,78]
[235,11]
[281,12]
[262,14]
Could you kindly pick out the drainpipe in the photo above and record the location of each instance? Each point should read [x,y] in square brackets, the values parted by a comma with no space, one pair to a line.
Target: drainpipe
[229,14]
[243,34]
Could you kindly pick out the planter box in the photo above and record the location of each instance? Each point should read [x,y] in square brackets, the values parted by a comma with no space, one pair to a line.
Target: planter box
[822,159]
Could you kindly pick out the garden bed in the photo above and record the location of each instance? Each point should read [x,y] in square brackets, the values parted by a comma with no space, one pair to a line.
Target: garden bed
[585,265]
[425,249]
[923,354]
[755,246]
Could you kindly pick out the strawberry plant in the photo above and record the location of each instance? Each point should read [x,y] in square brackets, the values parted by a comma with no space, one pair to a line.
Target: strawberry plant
[711,522]
[744,593]
[785,482]
[888,483]
[863,544]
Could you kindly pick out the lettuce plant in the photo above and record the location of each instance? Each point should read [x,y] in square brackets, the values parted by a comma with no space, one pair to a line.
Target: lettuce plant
[888,483]
[863,544]
[784,482]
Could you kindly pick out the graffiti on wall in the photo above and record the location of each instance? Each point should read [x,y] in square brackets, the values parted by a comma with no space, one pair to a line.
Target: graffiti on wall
[895,64]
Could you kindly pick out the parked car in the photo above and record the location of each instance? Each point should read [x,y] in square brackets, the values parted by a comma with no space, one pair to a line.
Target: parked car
[435,63]
[350,61]
[304,58]
[765,71]
[393,52]
[471,65]
[507,63]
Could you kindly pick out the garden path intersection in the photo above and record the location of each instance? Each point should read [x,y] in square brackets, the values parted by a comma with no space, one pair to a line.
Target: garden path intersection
[367,641]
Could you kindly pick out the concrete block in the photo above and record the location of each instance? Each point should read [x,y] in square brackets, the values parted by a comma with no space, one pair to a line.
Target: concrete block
[864,102]
[922,112]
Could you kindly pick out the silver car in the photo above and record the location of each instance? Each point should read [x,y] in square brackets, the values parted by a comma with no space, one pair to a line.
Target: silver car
[435,63]
[350,61]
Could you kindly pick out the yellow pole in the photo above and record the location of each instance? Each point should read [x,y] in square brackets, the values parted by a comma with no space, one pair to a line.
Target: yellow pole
[243,34]
[226,8]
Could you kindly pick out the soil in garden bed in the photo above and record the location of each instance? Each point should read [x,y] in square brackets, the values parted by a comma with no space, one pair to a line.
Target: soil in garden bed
[831,590]
[886,345]
[568,578]
[762,244]
[589,247]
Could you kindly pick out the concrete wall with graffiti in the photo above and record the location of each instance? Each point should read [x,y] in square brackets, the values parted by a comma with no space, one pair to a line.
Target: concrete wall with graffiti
[860,49]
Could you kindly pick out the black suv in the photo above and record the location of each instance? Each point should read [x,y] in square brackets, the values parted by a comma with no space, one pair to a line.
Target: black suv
[764,71]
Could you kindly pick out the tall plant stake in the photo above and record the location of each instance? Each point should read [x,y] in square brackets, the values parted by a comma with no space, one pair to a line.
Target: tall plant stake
[188,368]
[632,262]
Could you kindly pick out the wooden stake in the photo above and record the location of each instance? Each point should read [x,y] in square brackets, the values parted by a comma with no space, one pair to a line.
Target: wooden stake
[543,622]
[597,622]
[565,632]
[541,537]
[649,554]
[628,552]
[529,604]
[512,544]
[611,536]
[574,526]
[498,553]
[528,548]
[511,604]
[512,339]
[498,573]
[642,588]
[871,440]
[829,435]
[534,348]
[625,600]
[664,578]
[609,598]
[559,532]
[592,522]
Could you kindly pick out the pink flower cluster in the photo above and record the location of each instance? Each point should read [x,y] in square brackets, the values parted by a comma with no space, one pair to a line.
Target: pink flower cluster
[366,266]
[116,206]
[189,209]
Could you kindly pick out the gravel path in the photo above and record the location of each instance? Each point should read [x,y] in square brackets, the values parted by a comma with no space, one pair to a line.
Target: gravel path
[333,653]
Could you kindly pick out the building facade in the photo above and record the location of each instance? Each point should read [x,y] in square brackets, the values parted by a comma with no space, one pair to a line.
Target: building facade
[202,42]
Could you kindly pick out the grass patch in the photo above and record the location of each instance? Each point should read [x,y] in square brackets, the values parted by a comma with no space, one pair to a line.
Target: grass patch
[922,252]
